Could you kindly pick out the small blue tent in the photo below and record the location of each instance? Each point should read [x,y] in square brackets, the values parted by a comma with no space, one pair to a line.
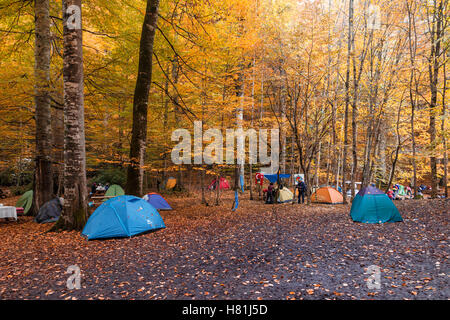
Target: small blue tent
[122,216]
[372,205]
[157,201]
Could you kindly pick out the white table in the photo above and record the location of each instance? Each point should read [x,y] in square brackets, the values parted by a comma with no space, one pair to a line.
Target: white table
[8,212]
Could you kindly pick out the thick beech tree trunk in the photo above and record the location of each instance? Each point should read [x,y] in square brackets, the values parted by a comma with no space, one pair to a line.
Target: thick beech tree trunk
[43,176]
[74,214]
[135,172]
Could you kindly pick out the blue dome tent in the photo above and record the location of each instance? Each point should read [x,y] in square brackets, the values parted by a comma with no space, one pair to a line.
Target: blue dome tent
[372,205]
[122,216]
[157,201]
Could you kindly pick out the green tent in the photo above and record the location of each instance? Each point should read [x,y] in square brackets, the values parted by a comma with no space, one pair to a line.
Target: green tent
[25,201]
[401,190]
[114,191]
[371,205]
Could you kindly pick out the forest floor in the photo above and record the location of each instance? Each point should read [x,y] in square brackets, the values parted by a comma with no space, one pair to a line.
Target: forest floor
[260,251]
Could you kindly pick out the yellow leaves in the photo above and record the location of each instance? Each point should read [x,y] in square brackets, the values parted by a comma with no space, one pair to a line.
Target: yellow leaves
[49,292]
[123,284]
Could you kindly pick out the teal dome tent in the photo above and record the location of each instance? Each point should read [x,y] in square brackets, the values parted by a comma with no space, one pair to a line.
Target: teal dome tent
[371,205]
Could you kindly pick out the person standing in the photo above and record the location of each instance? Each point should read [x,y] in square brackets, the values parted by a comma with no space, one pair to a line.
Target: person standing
[301,186]
[270,191]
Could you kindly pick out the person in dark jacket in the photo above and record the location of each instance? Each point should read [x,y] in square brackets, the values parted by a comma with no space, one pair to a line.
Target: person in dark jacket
[270,191]
[301,186]
[93,188]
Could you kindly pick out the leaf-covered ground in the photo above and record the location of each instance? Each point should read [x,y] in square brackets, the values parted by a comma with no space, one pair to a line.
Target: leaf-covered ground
[259,252]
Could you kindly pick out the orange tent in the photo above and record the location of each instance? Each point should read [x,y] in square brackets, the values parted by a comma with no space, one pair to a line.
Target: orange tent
[327,195]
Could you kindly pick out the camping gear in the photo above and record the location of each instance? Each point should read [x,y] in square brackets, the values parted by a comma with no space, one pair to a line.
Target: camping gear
[273,177]
[285,195]
[171,182]
[122,216]
[114,191]
[157,201]
[8,212]
[371,205]
[401,190]
[25,201]
[223,184]
[327,195]
[390,194]
[241,182]
[49,212]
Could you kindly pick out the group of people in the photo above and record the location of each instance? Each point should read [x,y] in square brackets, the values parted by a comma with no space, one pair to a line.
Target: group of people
[395,193]
[272,191]
[98,187]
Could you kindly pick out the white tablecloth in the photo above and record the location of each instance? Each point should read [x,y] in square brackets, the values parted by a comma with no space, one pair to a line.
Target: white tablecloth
[8,212]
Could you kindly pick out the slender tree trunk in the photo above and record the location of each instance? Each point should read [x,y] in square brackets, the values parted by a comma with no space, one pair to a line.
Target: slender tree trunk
[318,165]
[218,190]
[250,170]
[412,57]
[165,101]
[135,172]
[328,165]
[74,214]
[436,38]
[347,100]
[444,134]
[202,184]
[43,176]
[397,149]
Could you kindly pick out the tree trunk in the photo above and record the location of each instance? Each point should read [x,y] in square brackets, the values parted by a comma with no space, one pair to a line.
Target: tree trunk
[347,100]
[165,101]
[444,134]
[74,214]
[412,56]
[436,38]
[202,185]
[43,176]
[218,190]
[134,184]
[397,149]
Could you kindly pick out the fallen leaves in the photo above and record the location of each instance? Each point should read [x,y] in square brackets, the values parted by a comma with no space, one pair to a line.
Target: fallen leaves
[206,253]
